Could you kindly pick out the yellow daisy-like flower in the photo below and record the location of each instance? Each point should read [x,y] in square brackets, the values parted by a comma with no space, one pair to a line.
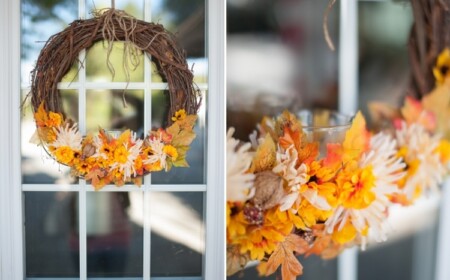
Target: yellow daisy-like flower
[171,151]
[121,154]
[263,239]
[441,70]
[363,189]
[64,154]
[179,115]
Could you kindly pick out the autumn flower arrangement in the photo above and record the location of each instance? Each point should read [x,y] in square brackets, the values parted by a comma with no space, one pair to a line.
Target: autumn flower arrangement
[103,159]
[287,195]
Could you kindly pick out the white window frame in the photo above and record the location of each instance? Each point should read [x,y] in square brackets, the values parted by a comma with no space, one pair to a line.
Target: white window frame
[11,192]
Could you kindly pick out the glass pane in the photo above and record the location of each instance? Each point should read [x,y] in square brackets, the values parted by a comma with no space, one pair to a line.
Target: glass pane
[195,174]
[105,109]
[40,20]
[114,234]
[51,238]
[383,48]
[132,7]
[186,19]
[37,165]
[314,268]
[277,58]
[97,64]
[178,239]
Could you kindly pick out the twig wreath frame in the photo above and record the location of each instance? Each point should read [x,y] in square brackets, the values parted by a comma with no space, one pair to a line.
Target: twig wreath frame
[103,159]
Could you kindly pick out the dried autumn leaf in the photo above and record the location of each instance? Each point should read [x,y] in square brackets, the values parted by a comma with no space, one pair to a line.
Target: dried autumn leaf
[265,156]
[183,138]
[438,102]
[174,129]
[356,139]
[41,116]
[308,153]
[290,137]
[287,119]
[188,122]
[235,260]
[96,177]
[334,155]
[284,255]
[124,137]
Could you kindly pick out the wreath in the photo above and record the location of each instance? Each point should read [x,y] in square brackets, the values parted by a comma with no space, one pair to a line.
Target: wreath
[102,158]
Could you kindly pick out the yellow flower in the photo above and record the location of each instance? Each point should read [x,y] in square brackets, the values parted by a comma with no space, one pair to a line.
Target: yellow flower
[355,187]
[171,151]
[263,239]
[154,166]
[179,115]
[121,154]
[441,70]
[443,150]
[64,154]
[345,235]
[54,119]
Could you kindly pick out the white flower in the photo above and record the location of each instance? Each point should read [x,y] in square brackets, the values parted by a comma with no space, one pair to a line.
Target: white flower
[127,168]
[420,151]
[387,169]
[295,178]
[68,136]
[158,154]
[239,183]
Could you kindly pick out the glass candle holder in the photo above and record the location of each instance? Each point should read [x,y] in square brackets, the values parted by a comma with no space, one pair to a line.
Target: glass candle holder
[324,127]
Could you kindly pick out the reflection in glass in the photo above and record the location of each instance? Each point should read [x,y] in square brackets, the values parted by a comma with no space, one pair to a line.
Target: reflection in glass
[114,242]
[195,174]
[37,165]
[105,109]
[132,7]
[177,240]
[40,20]
[97,64]
[187,20]
[50,235]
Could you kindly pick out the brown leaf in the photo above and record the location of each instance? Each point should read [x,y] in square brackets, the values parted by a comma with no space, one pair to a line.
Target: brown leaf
[235,260]
[284,256]
[96,177]
[265,156]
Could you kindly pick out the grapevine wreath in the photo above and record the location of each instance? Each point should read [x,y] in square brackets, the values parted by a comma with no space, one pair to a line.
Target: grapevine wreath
[102,158]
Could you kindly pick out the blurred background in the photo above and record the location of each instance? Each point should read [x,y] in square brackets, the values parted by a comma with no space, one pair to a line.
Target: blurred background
[277,59]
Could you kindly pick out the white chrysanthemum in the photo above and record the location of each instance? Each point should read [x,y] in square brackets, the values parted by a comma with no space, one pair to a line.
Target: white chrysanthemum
[239,183]
[419,148]
[387,169]
[296,177]
[68,136]
[127,168]
[158,154]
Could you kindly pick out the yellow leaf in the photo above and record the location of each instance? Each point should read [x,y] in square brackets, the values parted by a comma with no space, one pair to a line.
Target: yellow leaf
[438,102]
[41,116]
[284,255]
[124,137]
[174,129]
[356,139]
[265,155]
[183,138]
[188,122]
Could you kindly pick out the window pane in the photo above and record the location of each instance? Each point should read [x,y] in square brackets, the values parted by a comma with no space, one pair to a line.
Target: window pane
[196,155]
[105,109]
[40,20]
[97,64]
[186,19]
[51,238]
[132,7]
[177,240]
[114,234]
[38,167]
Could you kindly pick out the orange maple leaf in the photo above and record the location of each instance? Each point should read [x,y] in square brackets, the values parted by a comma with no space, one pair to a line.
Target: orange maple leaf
[334,154]
[284,255]
[96,176]
[290,137]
